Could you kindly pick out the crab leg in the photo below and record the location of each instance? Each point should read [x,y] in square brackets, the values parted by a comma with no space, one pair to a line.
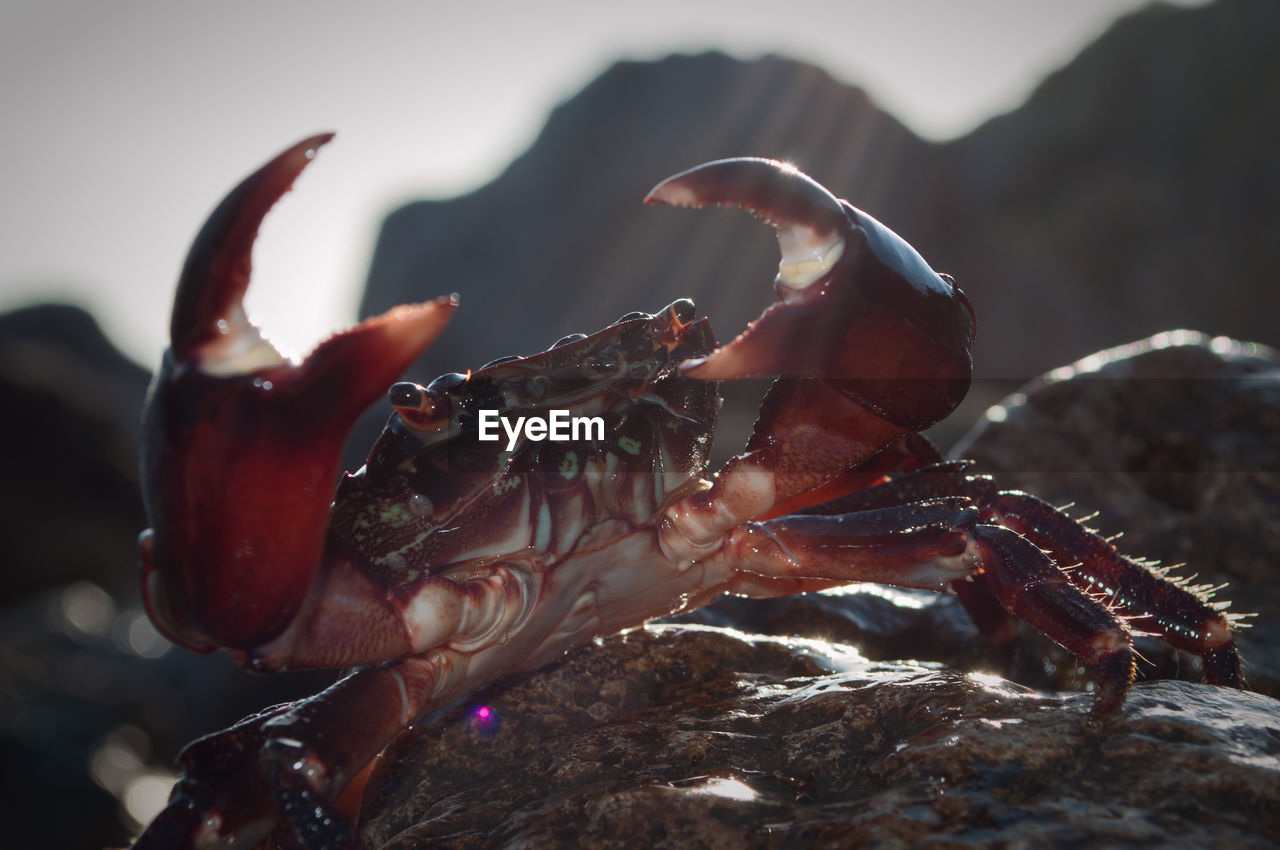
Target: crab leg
[932,545]
[1031,587]
[1182,615]
[1178,612]
[922,544]
[238,784]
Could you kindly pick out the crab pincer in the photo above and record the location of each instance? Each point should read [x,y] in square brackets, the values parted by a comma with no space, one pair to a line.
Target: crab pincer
[241,442]
[858,307]
[872,344]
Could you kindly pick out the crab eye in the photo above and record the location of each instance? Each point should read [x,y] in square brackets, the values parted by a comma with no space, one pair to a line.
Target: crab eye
[405,394]
[416,404]
[450,381]
[683,309]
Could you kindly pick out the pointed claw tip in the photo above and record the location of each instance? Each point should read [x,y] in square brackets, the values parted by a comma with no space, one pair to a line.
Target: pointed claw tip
[672,193]
[319,140]
[309,148]
[776,192]
[298,157]
[216,271]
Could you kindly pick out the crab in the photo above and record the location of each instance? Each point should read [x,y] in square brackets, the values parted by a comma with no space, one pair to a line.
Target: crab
[449,560]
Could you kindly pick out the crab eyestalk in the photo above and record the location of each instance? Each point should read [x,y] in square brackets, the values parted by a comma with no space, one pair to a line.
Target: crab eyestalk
[858,307]
[241,446]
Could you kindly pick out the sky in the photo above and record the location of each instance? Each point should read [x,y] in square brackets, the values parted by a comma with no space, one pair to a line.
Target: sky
[126,122]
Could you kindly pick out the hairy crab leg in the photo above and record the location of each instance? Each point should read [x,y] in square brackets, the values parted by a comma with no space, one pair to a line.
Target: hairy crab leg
[1181,615]
[1031,587]
[932,545]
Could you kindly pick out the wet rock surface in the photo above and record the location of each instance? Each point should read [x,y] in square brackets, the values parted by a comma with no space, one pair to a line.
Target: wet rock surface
[679,736]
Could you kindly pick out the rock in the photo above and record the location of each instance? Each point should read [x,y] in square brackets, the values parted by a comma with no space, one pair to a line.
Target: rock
[70,494]
[94,706]
[1172,441]
[1124,197]
[693,737]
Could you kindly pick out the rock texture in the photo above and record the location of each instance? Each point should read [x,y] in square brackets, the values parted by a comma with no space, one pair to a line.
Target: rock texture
[671,737]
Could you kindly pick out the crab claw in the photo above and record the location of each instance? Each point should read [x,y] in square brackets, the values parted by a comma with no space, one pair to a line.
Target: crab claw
[241,446]
[858,307]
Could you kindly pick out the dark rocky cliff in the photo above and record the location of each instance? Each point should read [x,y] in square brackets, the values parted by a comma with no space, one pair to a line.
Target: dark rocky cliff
[1135,191]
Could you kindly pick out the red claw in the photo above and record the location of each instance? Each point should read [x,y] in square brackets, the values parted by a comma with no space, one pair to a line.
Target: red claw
[215,275]
[858,306]
[243,445]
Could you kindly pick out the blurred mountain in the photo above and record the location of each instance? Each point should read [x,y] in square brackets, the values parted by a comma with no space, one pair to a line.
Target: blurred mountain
[70,499]
[560,241]
[1134,191]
